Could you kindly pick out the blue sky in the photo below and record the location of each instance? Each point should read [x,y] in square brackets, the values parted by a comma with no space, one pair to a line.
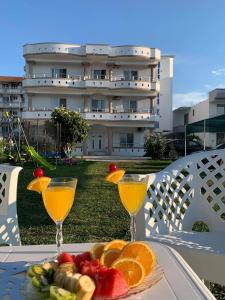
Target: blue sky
[192,30]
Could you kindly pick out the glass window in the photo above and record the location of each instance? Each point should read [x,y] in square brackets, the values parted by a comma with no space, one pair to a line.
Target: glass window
[5,86]
[158,71]
[220,138]
[133,106]
[220,109]
[193,112]
[158,99]
[130,75]
[126,140]
[59,73]
[99,74]
[98,105]
[62,103]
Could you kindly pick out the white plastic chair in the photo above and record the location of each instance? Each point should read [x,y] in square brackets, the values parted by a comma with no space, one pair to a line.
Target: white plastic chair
[9,229]
[190,189]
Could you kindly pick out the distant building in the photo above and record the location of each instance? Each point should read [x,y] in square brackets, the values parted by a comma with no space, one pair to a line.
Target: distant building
[124,92]
[11,98]
[211,107]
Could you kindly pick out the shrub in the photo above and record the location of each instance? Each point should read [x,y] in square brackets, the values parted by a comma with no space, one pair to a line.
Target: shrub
[155,146]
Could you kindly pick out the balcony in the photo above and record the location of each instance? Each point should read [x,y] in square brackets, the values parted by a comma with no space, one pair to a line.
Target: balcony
[140,115]
[76,81]
[87,50]
[12,91]
[14,104]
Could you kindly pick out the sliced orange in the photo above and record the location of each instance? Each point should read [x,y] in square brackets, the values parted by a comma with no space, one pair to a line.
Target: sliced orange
[115,244]
[109,256]
[97,250]
[115,176]
[142,253]
[132,270]
[39,184]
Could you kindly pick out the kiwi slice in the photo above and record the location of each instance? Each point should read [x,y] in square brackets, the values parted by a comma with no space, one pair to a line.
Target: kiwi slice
[57,293]
[35,270]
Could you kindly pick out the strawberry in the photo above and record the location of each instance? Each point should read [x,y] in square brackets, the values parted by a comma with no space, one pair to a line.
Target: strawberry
[110,284]
[64,258]
[90,268]
[82,257]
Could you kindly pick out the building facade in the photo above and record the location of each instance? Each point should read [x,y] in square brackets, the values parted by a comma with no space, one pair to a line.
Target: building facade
[211,107]
[11,99]
[124,92]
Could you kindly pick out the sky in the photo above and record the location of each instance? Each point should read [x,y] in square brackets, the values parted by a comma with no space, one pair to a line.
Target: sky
[192,30]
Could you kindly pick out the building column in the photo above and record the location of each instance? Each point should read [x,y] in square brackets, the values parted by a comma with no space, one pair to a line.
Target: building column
[29,70]
[110,140]
[110,104]
[151,100]
[30,104]
[152,73]
[85,103]
[85,65]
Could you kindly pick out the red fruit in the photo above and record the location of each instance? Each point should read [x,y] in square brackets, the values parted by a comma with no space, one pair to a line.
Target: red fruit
[82,257]
[113,167]
[38,172]
[64,258]
[110,284]
[90,268]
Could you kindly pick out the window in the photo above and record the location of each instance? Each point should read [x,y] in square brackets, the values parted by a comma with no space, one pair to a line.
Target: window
[5,86]
[99,74]
[130,75]
[158,71]
[14,85]
[193,112]
[62,102]
[59,73]
[5,99]
[186,119]
[13,98]
[158,99]
[220,138]
[132,106]
[126,140]
[220,109]
[98,105]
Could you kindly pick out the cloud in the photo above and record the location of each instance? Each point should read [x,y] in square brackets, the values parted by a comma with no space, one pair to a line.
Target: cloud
[188,99]
[218,72]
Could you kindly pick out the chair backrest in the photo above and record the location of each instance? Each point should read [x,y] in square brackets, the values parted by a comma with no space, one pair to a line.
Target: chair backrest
[9,229]
[189,189]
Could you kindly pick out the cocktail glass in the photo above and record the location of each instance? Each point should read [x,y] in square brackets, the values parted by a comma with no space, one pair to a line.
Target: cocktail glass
[58,199]
[132,189]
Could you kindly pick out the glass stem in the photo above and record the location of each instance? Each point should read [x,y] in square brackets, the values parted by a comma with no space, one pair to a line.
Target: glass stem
[132,228]
[59,236]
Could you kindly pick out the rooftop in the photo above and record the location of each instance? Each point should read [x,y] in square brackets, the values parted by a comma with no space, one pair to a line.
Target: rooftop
[11,79]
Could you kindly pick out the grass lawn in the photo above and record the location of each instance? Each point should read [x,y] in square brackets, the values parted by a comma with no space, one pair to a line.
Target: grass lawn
[97,214]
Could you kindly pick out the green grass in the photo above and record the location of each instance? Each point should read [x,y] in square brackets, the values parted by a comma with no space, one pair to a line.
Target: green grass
[97,214]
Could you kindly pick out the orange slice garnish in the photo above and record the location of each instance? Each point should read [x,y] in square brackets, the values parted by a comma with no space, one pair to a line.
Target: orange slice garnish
[115,176]
[97,250]
[109,256]
[141,252]
[132,270]
[39,184]
[115,244]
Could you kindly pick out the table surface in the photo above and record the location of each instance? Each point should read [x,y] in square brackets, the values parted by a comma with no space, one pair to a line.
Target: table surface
[179,281]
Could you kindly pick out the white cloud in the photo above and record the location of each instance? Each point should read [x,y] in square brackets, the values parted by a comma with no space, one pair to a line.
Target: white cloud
[188,99]
[218,72]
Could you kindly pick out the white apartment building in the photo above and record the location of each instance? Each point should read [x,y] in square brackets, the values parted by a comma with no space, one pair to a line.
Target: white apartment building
[11,98]
[124,92]
[211,107]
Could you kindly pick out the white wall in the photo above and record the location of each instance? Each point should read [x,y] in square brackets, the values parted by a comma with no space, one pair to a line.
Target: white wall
[165,104]
[46,68]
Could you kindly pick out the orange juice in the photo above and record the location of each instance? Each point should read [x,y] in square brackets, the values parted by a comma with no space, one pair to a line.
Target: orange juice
[132,195]
[58,201]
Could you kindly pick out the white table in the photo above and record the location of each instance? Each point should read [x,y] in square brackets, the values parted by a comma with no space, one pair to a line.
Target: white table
[179,282]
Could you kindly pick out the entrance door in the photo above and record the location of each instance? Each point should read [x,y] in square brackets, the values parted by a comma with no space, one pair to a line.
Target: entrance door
[96,143]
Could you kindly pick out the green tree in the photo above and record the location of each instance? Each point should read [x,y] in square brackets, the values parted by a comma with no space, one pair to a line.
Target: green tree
[155,146]
[74,129]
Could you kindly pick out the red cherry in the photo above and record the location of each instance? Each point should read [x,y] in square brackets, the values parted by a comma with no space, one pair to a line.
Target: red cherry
[113,167]
[38,172]
[64,258]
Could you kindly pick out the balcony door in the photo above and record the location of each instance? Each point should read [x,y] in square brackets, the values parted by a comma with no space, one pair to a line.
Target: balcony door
[59,73]
[130,75]
[98,105]
[99,74]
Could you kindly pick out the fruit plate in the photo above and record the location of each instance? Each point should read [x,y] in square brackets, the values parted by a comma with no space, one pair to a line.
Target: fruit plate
[30,293]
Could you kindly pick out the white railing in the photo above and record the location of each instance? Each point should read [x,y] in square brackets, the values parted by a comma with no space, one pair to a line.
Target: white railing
[55,76]
[131,78]
[68,82]
[111,51]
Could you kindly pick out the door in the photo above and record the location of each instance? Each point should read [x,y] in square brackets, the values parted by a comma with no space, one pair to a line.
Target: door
[96,143]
